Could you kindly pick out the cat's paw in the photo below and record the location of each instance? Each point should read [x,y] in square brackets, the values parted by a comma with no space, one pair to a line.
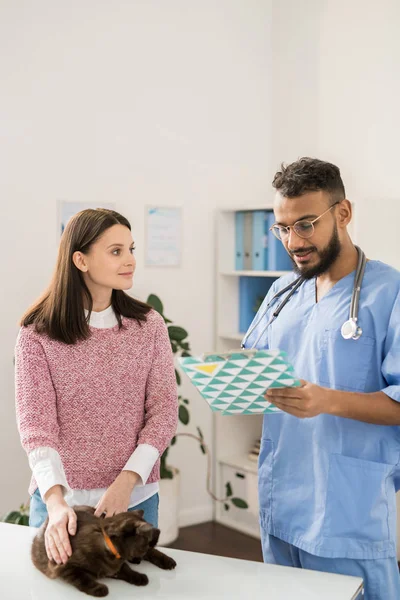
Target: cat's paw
[135,561]
[99,590]
[140,579]
[168,563]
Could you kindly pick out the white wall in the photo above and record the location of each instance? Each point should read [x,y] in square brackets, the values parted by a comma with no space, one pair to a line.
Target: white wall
[143,102]
[359,118]
[336,95]
[294,79]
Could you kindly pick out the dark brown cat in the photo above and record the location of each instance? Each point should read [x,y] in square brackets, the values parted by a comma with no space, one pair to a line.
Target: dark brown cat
[100,548]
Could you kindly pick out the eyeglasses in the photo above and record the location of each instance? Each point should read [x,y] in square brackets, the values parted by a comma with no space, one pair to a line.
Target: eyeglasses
[303,228]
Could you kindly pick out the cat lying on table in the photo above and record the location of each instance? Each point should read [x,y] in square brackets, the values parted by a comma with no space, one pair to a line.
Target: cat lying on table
[100,548]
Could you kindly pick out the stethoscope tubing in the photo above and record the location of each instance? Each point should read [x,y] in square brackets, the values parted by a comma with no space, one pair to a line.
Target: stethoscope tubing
[292,288]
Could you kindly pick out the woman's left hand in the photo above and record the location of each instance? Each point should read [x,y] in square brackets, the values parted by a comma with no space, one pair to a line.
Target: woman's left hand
[116,499]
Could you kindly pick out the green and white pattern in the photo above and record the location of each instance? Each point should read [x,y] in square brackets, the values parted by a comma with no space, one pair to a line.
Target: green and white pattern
[236,383]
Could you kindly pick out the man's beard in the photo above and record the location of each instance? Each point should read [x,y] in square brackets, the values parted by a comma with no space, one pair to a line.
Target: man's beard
[326,258]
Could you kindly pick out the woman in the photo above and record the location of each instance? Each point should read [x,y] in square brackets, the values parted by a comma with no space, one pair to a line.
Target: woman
[95,384]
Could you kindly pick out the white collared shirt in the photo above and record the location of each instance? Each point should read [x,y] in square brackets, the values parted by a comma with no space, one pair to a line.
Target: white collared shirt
[48,470]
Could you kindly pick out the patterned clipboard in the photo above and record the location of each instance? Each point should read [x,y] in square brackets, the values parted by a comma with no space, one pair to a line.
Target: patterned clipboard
[235,383]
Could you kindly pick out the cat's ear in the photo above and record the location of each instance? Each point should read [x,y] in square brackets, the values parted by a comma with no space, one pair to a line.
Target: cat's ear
[144,528]
[134,525]
[139,513]
[119,524]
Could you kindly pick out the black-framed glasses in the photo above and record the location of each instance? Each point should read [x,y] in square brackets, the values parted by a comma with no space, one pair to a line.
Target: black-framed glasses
[303,228]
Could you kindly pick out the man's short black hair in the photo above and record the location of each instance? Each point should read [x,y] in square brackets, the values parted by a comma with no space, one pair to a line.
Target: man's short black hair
[309,175]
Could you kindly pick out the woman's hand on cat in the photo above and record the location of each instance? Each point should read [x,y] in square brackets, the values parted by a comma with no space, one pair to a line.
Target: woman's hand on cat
[116,499]
[62,521]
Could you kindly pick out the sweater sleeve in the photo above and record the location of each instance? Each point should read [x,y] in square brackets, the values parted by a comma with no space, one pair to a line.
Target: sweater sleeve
[34,394]
[161,403]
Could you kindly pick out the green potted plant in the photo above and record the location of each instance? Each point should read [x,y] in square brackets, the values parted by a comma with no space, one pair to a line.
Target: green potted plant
[170,476]
[18,517]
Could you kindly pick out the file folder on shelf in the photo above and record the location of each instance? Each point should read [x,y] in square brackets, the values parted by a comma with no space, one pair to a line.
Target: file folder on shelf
[235,383]
[260,241]
[252,291]
[239,241]
[248,241]
[278,258]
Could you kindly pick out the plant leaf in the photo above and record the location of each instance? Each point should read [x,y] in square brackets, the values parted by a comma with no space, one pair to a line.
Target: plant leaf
[229,490]
[11,516]
[183,414]
[166,473]
[178,377]
[186,401]
[226,506]
[177,333]
[239,503]
[173,441]
[156,303]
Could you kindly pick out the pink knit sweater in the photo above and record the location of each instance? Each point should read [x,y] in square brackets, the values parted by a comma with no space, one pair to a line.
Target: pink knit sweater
[96,400]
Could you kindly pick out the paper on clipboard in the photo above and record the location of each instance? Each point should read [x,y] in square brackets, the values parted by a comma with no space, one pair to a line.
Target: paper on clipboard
[235,383]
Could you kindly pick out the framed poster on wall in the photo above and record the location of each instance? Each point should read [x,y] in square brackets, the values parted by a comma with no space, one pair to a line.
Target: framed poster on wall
[163,236]
[67,209]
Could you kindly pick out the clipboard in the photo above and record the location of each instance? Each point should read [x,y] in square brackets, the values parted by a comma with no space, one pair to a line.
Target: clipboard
[234,383]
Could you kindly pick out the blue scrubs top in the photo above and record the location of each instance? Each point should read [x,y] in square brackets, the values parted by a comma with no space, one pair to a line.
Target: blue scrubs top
[327,484]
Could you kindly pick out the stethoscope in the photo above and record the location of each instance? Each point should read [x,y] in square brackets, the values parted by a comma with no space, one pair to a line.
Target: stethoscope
[350,330]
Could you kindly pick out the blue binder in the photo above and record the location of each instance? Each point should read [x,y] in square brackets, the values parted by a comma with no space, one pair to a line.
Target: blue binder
[251,291]
[278,258]
[248,240]
[260,241]
[239,241]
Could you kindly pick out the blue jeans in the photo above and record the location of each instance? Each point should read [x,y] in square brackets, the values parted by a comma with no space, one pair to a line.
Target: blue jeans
[38,510]
[381,576]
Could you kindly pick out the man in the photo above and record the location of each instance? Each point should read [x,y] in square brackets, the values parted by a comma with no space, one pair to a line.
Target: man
[329,462]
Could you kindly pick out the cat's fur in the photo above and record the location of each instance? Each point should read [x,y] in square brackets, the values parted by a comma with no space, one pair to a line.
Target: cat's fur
[91,559]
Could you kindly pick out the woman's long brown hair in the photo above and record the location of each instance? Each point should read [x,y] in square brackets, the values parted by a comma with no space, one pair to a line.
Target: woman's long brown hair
[59,312]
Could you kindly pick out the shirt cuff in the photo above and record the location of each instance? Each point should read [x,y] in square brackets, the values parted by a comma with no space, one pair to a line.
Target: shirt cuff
[142,461]
[47,470]
[393,391]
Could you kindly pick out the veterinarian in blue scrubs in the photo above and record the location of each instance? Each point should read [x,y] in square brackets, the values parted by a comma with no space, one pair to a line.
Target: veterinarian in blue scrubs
[329,463]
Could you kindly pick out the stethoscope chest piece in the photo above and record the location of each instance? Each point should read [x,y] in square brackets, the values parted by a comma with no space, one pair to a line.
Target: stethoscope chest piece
[350,330]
